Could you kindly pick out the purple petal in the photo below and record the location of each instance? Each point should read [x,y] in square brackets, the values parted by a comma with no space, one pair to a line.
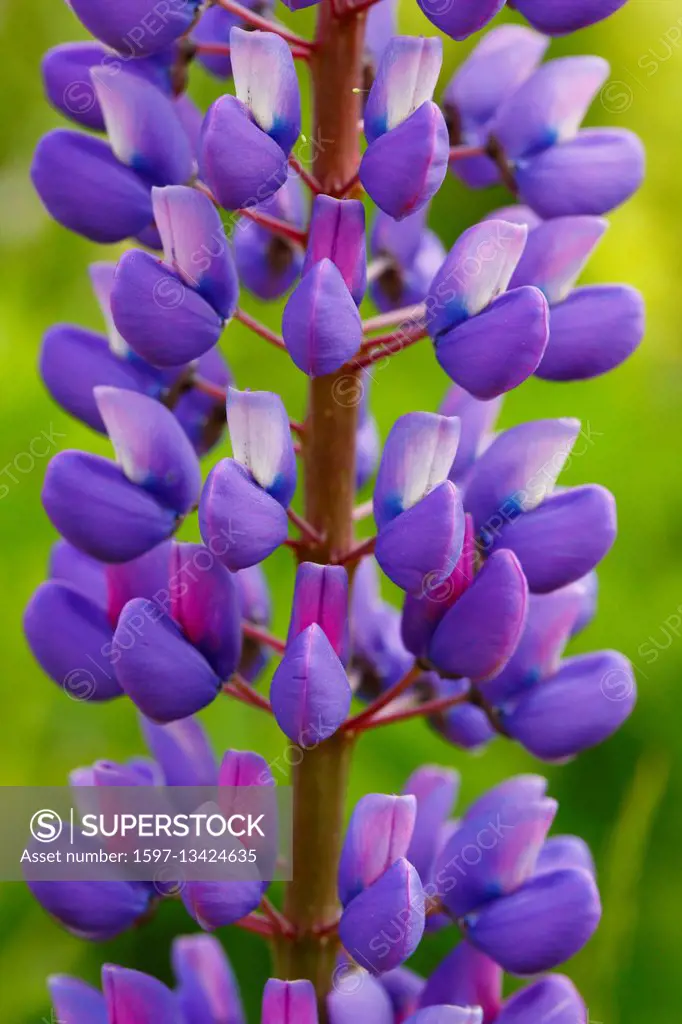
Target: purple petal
[422,613]
[594,330]
[163,320]
[199,414]
[206,606]
[66,77]
[195,245]
[262,168]
[240,523]
[518,470]
[549,625]
[425,542]
[74,361]
[466,978]
[378,651]
[496,67]
[564,852]
[447,1015]
[321,324]
[72,171]
[406,78]
[408,285]
[501,799]
[563,539]
[564,16]
[490,857]
[321,596]
[399,239]
[404,988]
[96,911]
[310,693]
[552,1000]
[102,275]
[476,419]
[261,441]
[136,998]
[417,457]
[75,1002]
[218,904]
[383,926]
[550,106]
[83,573]
[516,214]
[379,833]
[266,83]
[70,637]
[143,128]
[381,26]
[92,504]
[135,27]
[587,700]
[476,271]
[436,791]
[480,632]
[268,264]
[214,27]
[593,173]
[152,448]
[244,768]
[400,185]
[497,350]
[146,576]
[182,751]
[461,20]
[541,925]
[207,988]
[357,996]
[337,232]
[555,254]
[160,671]
[289,1002]
[254,595]
[463,725]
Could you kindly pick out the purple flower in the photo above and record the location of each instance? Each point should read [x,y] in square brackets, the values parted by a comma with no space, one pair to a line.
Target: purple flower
[135,27]
[289,1002]
[379,833]
[196,283]
[401,118]
[263,121]
[559,170]
[501,62]
[488,339]
[412,255]
[242,512]
[591,329]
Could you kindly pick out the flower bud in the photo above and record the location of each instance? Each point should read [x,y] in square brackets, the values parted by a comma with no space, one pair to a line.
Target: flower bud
[379,833]
[207,990]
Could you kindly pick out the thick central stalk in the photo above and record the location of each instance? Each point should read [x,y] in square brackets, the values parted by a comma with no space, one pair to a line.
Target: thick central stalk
[329,444]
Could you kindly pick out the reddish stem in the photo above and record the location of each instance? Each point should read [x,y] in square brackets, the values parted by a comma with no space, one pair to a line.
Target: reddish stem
[356,553]
[262,636]
[208,388]
[308,531]
[281,924]
[274,224]
[349,186]
[430,707]
[258,21]
[410,314]
[387,697]
[464,152]
[260,329]
[309,179]
[240,689]
[257,924]
[389,345]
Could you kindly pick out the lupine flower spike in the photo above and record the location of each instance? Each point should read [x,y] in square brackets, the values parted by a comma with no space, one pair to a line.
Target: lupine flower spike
[491,557]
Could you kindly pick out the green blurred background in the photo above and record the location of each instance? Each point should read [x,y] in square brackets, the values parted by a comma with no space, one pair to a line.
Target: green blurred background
[623,797]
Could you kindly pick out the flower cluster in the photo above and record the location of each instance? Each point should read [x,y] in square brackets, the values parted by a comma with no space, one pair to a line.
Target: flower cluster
[495,560]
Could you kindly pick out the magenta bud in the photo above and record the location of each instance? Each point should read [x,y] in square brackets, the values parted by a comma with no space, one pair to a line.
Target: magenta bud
[379,833]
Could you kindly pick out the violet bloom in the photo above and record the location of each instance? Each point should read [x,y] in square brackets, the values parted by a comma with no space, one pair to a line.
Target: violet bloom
[147,145]
[559,168]
[592,329]
[263,121]
[215,26]
[501,62]
[242,512]
[173,312]
[489,337]
[399,185]
[321,325]
[463,19]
